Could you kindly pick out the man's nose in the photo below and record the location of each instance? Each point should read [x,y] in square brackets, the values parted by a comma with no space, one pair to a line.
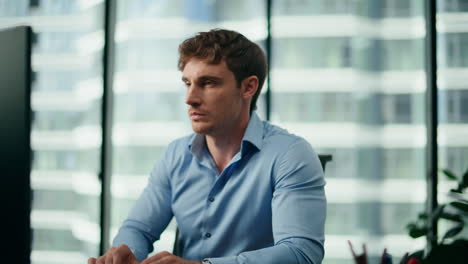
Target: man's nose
[192,97]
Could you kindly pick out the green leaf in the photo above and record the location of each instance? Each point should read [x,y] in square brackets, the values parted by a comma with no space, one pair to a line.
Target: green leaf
[464,182]
[453,231]
[451,217]
[423,216]
[460,205]
[416,232]
[450,175]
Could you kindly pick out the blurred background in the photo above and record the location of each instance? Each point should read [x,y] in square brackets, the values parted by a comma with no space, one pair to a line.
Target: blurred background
[347,75]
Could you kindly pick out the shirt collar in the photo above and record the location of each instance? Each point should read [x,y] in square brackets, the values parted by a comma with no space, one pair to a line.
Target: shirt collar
[253,134]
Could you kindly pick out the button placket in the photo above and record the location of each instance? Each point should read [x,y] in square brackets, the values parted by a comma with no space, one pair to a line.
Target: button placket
[208,210]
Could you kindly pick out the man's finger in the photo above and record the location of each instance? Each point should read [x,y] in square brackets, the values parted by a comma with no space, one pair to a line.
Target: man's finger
[167,259]
[156,257]
[92,261]
[101,260]
[121,255]
[109,258]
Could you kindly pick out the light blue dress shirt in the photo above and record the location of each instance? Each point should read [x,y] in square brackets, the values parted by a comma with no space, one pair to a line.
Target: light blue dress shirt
[267,206]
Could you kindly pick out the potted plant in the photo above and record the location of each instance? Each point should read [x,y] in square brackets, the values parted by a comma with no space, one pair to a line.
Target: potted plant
[449,249]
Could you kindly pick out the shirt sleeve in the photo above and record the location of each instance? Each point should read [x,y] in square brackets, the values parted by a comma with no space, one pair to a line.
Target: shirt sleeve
[298,211]
[150,214]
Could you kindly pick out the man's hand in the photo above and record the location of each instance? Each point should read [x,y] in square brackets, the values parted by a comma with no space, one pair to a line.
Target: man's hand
[116,255]
[167,258]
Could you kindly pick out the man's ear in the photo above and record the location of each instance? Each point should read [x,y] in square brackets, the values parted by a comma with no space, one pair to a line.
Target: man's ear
[249,86]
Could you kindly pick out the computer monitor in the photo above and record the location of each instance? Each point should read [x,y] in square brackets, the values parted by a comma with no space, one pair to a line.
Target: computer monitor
[15,147]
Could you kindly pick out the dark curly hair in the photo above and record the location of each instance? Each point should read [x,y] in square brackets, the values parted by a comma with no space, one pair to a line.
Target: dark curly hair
[243,57]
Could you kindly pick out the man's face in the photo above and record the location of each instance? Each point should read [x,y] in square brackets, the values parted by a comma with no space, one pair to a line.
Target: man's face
[213,97]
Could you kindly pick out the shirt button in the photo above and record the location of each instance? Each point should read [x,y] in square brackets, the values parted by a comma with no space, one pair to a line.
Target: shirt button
[211,199]
[207,235]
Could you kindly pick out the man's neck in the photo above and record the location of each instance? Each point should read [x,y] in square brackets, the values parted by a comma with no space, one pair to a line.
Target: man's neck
[225,146]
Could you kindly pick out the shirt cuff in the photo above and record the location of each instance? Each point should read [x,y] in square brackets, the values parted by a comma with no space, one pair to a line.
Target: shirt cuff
[223,260]
[140,256]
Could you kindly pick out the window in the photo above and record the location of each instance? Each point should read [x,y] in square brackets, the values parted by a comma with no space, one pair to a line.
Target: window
[149,108]
[66,132]
[348,75]
[349,85]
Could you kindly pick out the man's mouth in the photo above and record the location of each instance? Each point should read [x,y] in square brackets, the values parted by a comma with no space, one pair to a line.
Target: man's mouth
[194,116]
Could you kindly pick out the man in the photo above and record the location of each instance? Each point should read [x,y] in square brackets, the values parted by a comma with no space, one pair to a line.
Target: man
[241,190]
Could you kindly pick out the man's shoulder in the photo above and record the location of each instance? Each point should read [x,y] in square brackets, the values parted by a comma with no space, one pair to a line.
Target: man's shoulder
[289,151]
[277,137]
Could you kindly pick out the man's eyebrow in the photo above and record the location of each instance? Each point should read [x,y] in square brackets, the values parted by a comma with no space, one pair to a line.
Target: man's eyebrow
[204,78]
[209,77]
